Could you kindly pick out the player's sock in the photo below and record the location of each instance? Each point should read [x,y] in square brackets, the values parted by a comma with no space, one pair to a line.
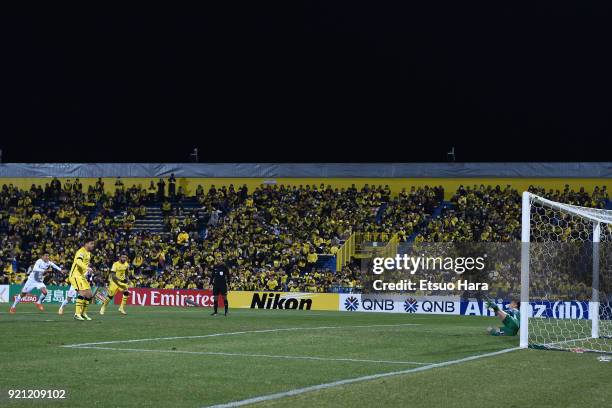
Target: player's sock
[226,302]
[79,305]
[41,298]
[106,302]
[17,299]
[124,299]
[85,305]
[64,303]
[216,304]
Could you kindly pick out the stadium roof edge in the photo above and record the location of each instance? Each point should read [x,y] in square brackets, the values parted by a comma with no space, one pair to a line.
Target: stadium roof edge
[311,170]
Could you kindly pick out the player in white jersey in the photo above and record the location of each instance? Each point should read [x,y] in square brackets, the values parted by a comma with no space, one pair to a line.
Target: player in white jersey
[36,281]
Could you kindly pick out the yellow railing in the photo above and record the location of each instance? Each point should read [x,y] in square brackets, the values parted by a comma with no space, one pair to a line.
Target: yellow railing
[390,249]
[349,248]
[345,252]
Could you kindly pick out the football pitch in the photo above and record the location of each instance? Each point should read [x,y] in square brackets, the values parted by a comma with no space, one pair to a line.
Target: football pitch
[182,357]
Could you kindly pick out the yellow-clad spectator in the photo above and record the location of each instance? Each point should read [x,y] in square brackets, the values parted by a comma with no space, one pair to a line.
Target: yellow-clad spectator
[138,261]
[182,238]
[272,284]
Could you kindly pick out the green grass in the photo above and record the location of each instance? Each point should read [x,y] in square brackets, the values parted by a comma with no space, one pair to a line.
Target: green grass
[320,348]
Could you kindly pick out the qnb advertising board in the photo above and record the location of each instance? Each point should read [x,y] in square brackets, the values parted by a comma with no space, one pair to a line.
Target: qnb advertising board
[399,304]
[453,305]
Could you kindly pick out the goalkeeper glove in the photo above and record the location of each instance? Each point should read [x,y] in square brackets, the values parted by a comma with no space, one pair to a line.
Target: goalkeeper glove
[492,305]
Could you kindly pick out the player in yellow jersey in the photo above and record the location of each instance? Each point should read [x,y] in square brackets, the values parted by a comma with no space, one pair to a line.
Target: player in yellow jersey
[118,282]
[77,278]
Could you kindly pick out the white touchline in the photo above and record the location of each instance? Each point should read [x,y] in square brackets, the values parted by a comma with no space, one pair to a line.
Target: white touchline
[203,336]
[219,353]
[318,387]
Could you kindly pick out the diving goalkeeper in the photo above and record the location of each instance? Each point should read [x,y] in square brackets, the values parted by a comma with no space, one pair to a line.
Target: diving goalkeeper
[510,317]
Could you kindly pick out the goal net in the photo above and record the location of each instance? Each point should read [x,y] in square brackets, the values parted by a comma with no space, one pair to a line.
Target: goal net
[566,276]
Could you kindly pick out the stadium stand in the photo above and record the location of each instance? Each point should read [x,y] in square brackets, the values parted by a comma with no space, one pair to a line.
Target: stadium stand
[276,237]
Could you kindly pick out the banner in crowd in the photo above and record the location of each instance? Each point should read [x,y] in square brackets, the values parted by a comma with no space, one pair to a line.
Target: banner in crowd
[4,293]
[283,300]
[399,304]
[167,297]
[55,294]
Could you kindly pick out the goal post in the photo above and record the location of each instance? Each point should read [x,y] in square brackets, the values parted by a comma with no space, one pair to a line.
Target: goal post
[594,305]
[525,239]
[566,276]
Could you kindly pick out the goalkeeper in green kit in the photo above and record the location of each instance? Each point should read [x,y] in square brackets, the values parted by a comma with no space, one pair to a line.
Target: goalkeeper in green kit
[511,318]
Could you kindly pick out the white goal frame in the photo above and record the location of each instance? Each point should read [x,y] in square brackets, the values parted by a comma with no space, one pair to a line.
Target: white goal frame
[596,217]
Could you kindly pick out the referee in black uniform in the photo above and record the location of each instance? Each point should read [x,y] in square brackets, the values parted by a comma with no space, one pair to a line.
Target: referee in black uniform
[219,281]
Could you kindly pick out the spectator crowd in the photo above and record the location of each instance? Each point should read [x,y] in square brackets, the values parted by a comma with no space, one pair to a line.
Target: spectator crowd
[275,237]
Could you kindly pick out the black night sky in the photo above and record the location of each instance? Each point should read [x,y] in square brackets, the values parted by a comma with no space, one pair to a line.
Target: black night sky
[310,82]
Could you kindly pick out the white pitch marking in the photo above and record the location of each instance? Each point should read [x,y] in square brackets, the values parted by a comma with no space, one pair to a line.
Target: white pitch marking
[215,353]
[318,387]
[567,341]
[237,333]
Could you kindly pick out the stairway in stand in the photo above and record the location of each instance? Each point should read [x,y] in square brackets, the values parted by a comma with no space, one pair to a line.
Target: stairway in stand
[154,220]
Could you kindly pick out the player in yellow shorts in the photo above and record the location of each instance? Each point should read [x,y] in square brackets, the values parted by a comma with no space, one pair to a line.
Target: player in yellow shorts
[118,283]
[77,278]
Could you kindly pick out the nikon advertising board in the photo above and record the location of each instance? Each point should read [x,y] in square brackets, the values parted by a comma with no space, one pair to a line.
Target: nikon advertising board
[283,300]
